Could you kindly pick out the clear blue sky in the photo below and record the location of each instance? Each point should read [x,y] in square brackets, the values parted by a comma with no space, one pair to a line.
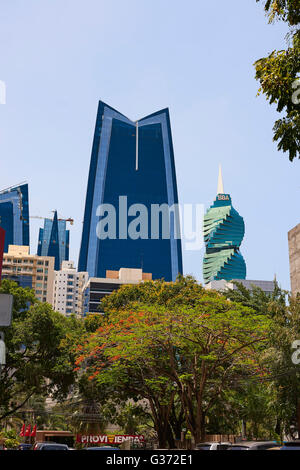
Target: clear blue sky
[59,57]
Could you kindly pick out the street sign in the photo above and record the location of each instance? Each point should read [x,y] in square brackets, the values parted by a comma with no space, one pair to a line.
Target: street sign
[6,302]
[2,350]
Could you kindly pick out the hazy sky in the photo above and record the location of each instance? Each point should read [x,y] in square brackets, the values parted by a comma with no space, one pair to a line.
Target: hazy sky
[59,57]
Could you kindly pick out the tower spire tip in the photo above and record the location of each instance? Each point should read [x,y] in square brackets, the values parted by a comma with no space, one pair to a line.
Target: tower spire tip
[220,181]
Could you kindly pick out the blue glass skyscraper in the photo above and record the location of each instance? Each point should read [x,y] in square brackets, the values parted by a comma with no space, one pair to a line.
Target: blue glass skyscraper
[134,160]
[14,215]
[54,240]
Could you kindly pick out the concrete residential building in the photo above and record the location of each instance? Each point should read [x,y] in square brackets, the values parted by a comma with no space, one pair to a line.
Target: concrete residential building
[36,272]
[97,288]
[68,289]
[294,255]
[266,286]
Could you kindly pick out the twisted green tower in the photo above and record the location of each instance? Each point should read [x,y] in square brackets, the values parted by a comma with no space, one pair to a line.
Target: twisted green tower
[224,231]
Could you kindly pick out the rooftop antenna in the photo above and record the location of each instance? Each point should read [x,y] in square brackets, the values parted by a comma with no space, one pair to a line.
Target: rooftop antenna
[220,182]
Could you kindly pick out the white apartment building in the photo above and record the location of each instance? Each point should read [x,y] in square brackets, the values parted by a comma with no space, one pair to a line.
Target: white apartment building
[68,289]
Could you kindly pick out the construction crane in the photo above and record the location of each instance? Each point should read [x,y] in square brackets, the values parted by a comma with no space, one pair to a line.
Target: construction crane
[16,187]
[39,217]
[7,190]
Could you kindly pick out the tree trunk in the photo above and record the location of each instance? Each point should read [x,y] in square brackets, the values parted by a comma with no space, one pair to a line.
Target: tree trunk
[160,414]
[278,427]
[244,429]
[170,437]
[199,431]
[176,422]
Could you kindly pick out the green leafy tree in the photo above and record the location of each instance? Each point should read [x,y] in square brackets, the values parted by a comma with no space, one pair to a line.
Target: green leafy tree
[285,373]
[277,75]
[282,384]
[39,361]
[184,342]
[10,439]
[258,300]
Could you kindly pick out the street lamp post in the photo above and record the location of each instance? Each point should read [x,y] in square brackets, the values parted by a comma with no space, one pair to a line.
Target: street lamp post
[6,301]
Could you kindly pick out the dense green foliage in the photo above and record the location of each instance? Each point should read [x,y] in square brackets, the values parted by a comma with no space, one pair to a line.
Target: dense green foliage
[39,359]
[181,348]
[164,357]
[277,75]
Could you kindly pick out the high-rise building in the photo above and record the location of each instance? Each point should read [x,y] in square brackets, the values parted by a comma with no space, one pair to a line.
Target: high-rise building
[36,272]
[294,255]
[68,289]
[132,164]
[54,240]
[14,215]
[2,240]
[224,231]
[96,288]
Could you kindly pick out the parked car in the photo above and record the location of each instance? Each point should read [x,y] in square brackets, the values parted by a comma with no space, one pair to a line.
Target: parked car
[291,445]
[101,448]
[213,446]
[253,445]
[25,446]
[50,446]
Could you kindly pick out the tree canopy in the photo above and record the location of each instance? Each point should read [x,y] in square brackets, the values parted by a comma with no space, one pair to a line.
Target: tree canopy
[39,359]
[187,343]
[278,75]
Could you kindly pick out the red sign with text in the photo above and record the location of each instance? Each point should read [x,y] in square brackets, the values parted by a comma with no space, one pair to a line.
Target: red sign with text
[108,438]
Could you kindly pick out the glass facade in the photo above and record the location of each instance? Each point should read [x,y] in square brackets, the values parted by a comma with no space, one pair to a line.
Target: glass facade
[54,240]
[14,215]
[224,231]
[21,280]
[132,159]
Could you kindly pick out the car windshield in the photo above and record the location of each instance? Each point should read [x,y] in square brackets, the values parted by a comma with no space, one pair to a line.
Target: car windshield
[238,448]
[101,448]
[53,447]
[204,447]
[291,444]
